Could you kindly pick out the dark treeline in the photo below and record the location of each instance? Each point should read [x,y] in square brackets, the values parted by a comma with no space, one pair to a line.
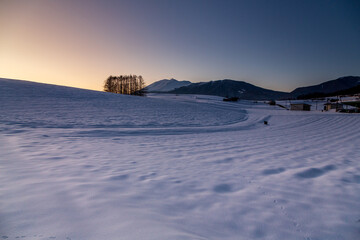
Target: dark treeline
[125,84]
[350,91]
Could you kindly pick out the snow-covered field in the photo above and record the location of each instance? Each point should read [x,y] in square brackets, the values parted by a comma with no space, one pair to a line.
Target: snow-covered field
[78,164]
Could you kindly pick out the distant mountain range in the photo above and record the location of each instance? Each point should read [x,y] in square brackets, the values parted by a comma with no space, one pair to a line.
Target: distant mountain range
[331,86]
[244,90]
[231,88]
[166,85]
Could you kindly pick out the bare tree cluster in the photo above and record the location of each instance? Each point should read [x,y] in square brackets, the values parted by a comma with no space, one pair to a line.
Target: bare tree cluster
[125,84]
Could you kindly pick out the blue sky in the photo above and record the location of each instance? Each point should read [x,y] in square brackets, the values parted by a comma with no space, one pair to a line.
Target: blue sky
[274,44]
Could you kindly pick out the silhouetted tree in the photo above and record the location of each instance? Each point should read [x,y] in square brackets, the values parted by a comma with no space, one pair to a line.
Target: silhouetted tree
[110,84]
[140,85]
[125,84]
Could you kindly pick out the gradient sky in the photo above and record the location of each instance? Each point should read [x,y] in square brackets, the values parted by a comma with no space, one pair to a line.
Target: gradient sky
[280,44]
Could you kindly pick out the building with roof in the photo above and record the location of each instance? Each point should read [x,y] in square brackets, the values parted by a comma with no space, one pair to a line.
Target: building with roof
[300,107]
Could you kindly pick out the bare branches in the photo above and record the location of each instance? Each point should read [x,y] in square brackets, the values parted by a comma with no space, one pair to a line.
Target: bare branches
[125,84]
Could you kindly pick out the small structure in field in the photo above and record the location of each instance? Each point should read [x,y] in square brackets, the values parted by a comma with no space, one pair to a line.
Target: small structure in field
[333,106]
[355,104]
[272,102]
[300,107]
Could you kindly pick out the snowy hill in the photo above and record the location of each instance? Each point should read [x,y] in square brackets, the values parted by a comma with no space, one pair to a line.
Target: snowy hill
[231,88]
[43,105]
[166,85]
[79,164]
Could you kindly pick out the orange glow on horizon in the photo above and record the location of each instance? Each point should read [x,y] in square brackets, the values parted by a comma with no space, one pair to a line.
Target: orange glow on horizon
[80,43]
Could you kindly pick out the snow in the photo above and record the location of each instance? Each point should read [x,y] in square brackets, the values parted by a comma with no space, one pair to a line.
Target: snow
[242,91]
[78,164]
[166,85]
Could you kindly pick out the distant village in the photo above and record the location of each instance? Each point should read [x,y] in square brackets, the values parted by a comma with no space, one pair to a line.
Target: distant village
[343,104]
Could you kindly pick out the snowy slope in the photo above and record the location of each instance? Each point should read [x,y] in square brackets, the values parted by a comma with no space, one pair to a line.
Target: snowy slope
[39,105]
[79,164]
[166,85]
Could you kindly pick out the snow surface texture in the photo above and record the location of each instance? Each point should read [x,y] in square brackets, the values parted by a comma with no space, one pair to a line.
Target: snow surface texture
[77,164]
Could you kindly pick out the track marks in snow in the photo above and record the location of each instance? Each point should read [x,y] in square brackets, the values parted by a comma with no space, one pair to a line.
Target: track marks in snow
[35,237]
[119,177]
[223,188]
[147,176]
[243,181]
[272,171]
[315,172]
[351,178]
[225,160]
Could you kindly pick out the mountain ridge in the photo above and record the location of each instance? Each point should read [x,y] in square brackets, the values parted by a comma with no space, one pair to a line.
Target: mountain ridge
[245,90]
[330,86]
[231,88]
[166,85]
